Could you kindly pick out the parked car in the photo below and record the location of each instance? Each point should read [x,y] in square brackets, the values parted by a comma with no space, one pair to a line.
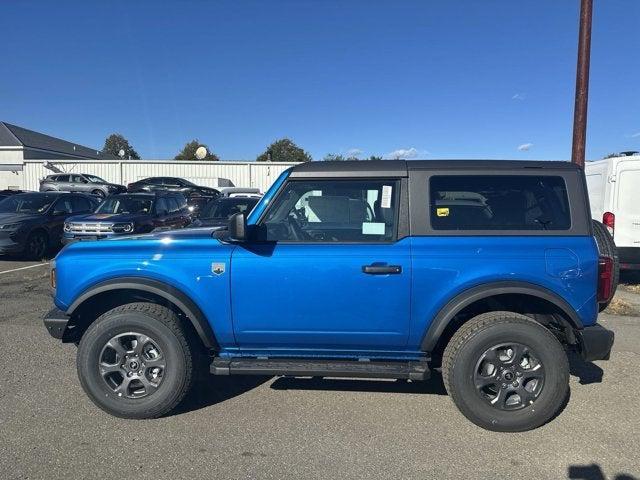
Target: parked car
[197,196]
[129,213]
[217,212]
[31,223]
[79,182]
[7,193]
[615,201]
[355,269]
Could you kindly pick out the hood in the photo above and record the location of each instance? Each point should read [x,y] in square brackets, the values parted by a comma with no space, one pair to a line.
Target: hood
[109,217]
[6,218]
[181,234]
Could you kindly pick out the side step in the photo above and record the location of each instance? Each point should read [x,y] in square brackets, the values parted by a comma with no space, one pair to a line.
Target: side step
[414,370]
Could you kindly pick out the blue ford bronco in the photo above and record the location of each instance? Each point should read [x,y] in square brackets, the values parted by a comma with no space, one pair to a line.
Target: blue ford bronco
[487,271]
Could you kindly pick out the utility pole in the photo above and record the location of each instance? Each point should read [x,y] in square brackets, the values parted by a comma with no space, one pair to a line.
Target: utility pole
[582,84]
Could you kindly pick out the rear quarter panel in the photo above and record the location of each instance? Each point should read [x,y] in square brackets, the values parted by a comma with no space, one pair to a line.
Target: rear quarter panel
[446,266]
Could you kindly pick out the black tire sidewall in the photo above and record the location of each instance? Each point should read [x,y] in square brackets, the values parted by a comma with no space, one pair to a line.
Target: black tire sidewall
[88,358]
[36,255]
[554,391]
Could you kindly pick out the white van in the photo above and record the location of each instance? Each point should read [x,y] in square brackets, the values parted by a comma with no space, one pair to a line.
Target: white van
[614,194]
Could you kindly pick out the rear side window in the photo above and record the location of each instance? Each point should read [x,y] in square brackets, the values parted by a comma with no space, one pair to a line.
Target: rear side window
[499,202]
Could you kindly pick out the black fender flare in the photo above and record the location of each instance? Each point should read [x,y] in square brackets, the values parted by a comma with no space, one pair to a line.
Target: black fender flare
[168,292]
[467,297]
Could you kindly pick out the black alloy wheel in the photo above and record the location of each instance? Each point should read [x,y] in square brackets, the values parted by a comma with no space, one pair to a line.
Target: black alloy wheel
[509,376]
[132,365]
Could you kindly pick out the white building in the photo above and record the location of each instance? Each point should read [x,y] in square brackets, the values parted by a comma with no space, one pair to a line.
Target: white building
[27,156]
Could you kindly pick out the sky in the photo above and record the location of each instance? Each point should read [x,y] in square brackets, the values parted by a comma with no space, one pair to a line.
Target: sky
[411,79]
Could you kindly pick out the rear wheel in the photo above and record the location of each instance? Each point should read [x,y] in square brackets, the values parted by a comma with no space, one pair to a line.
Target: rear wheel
[37,245]
[607,247]
[136,361]
[505,372]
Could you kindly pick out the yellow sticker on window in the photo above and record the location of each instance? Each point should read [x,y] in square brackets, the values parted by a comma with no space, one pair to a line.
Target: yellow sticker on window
[442,212]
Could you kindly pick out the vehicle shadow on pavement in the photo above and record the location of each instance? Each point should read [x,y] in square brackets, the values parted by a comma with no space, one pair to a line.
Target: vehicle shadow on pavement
[594,472]
[587,372]
[433,386]
[216,389]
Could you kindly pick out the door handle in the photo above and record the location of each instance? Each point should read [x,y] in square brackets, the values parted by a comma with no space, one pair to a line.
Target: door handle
[382,269]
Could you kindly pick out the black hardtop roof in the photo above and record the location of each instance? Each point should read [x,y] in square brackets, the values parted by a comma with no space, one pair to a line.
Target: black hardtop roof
[399,168]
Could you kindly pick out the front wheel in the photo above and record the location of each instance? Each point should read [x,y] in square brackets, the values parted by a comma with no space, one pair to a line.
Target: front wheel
[37,245]
[136,361]
[99,193]
[506,372]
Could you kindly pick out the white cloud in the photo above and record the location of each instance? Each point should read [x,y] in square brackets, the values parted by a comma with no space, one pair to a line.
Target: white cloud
[635,135]
[406,153]
[525,147]
[518,96]
[354,152]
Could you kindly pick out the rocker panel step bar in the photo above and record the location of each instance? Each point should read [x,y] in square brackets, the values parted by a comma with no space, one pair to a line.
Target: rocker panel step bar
[320,368]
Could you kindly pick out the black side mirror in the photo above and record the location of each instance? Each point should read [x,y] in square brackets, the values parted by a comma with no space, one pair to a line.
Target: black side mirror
[238,227]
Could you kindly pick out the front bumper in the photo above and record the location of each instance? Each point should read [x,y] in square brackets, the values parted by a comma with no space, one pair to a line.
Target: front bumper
[56,322]
[9,245]
[595,342]
[629,257]
[71,238]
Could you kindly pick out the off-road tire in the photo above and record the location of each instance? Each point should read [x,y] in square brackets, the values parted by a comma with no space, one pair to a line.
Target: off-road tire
[607,247]
[461,357]
[164,327]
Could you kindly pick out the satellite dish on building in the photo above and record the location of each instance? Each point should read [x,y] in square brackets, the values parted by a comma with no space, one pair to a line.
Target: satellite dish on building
[121,153]
[201,152]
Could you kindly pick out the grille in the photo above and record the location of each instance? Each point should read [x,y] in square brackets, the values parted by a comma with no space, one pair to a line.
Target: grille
[92,227]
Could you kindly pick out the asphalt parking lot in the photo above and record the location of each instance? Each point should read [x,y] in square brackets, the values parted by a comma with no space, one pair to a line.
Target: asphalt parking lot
[279,428]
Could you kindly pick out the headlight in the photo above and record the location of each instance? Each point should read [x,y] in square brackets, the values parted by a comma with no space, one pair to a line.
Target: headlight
[10,226]
[122,227]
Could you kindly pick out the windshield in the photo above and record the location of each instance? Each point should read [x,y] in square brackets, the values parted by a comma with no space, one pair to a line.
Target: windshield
[125,205]
[187,182]
[29,203]
[228,207]
[95,179]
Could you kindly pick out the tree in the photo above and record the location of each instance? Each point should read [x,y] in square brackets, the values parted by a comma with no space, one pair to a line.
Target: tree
[374,157]
[116,142]
[284,150]
[188,152]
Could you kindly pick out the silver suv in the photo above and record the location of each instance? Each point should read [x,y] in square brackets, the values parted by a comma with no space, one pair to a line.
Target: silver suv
[80,182]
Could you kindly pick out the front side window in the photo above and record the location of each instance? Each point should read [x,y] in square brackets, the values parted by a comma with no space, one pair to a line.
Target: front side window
[27,203]
[499,202]
[173,204]
[333,211]
[79,204]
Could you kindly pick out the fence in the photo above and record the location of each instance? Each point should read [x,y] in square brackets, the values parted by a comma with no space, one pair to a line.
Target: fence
[242,174]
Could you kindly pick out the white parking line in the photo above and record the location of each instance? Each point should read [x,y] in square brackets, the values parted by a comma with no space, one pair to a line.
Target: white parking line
[24,268]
